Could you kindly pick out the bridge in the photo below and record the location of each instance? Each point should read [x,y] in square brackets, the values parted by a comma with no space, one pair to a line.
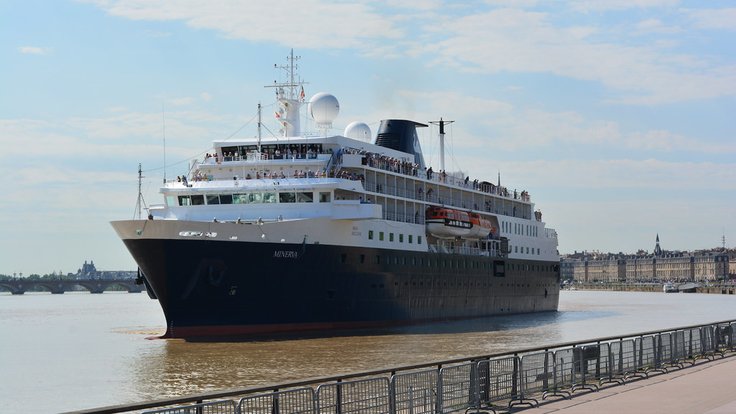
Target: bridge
[21,286]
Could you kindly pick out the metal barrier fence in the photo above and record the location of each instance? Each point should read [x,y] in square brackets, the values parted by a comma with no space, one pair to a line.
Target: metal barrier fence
[483,383]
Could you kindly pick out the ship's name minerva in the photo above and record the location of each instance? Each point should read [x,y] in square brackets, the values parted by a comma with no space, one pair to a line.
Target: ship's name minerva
[286,254]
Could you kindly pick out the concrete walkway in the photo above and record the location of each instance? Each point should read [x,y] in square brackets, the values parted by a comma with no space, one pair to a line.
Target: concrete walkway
[705,388]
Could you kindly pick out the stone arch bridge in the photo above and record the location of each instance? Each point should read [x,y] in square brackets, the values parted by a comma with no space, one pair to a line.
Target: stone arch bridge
[20,286]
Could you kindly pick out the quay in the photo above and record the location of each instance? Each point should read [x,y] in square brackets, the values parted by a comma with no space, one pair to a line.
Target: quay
[703,388]
[719,289]
[684,370]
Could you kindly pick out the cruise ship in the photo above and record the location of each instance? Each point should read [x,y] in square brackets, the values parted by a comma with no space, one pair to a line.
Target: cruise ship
[323,232]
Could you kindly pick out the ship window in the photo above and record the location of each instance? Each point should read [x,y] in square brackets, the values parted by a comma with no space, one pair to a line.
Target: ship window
[240,198]
[213,199]
[401,238]
[516,249]
[255,198]
[303,197]
[370,234]
[171,201]
[362,258]
[197,200]
[269,197]
[287,198]
[380,235]
[185,201]
[411,236]
[390,237]
[226,199]
[378,259]
[324,197]
[419,239]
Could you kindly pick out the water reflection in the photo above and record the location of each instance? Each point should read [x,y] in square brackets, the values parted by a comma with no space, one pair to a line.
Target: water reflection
[180,367]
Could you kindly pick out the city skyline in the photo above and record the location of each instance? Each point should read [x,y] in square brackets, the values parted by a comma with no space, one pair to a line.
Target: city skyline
[616,116]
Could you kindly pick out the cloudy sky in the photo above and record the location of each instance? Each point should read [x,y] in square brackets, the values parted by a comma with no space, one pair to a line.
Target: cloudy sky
[618,116]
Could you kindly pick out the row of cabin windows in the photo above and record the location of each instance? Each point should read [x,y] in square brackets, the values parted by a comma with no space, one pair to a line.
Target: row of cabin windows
[521,229]
[250,198]
[533,250]
[381,237]
[447,263]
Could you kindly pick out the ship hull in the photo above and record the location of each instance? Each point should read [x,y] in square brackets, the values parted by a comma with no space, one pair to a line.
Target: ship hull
[216,288]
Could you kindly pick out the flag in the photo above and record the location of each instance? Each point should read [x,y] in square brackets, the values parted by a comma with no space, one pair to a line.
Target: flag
[278,115]
[301,94]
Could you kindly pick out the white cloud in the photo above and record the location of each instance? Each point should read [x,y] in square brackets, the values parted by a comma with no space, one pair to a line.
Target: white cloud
[648,26]
[517,41]
[608,5]
[308,24]
[33,50]
[714,19]
[183,101]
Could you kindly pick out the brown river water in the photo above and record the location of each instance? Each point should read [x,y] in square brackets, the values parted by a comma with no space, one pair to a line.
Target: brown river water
[77,350]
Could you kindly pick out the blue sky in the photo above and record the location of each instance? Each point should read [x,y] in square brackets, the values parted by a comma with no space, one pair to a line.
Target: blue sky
[616,115]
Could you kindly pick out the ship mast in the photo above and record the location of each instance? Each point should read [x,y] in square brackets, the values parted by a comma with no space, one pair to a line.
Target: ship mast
[259,127]
[290,96]
[442,123]
[141,202]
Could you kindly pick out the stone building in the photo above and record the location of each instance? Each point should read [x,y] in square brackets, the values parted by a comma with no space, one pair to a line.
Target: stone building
[699,266]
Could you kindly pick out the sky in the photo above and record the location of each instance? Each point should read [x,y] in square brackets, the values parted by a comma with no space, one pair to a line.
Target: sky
[617,116]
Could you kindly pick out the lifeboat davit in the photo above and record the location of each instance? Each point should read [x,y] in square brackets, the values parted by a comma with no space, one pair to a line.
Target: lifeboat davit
[447,223]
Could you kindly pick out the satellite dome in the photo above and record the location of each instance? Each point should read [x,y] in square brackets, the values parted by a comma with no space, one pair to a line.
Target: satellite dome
[358,130]
[324,107]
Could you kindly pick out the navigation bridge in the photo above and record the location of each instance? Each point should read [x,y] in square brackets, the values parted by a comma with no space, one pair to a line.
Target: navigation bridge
[21,286]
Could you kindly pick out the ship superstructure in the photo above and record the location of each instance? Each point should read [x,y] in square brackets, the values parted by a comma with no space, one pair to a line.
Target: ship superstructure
[297,233]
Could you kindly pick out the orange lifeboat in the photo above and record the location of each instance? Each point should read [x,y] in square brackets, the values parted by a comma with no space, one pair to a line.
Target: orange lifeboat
[447,223]
[481,227]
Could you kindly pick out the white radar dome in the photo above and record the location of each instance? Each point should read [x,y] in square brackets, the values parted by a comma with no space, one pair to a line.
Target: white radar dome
[324,107]
[358,130]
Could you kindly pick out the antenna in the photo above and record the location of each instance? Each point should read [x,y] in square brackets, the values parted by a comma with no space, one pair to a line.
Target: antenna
[289,99]
[259,127]
[141,202]
[442,123]
[163,118]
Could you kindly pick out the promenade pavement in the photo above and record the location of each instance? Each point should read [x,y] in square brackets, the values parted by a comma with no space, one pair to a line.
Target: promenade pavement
[705,388]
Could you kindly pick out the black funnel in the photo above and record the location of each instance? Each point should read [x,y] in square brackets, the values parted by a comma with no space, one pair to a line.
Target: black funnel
[401,135]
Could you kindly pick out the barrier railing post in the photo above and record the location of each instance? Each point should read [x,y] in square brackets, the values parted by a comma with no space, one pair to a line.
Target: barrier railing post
[438,400]
[520,397]
[338,397]
[275,402]
[392,394]
[514,378]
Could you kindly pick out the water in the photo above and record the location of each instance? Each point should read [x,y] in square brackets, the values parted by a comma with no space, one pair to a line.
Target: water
[77,350]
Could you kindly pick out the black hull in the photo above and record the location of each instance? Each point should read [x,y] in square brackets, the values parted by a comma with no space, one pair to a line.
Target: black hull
[212,288]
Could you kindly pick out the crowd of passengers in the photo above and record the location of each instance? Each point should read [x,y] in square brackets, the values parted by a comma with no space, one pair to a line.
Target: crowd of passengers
[269,152]
[371,159]
[387,163]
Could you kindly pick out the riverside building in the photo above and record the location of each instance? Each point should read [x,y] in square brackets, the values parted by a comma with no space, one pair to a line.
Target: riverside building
[699,266]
